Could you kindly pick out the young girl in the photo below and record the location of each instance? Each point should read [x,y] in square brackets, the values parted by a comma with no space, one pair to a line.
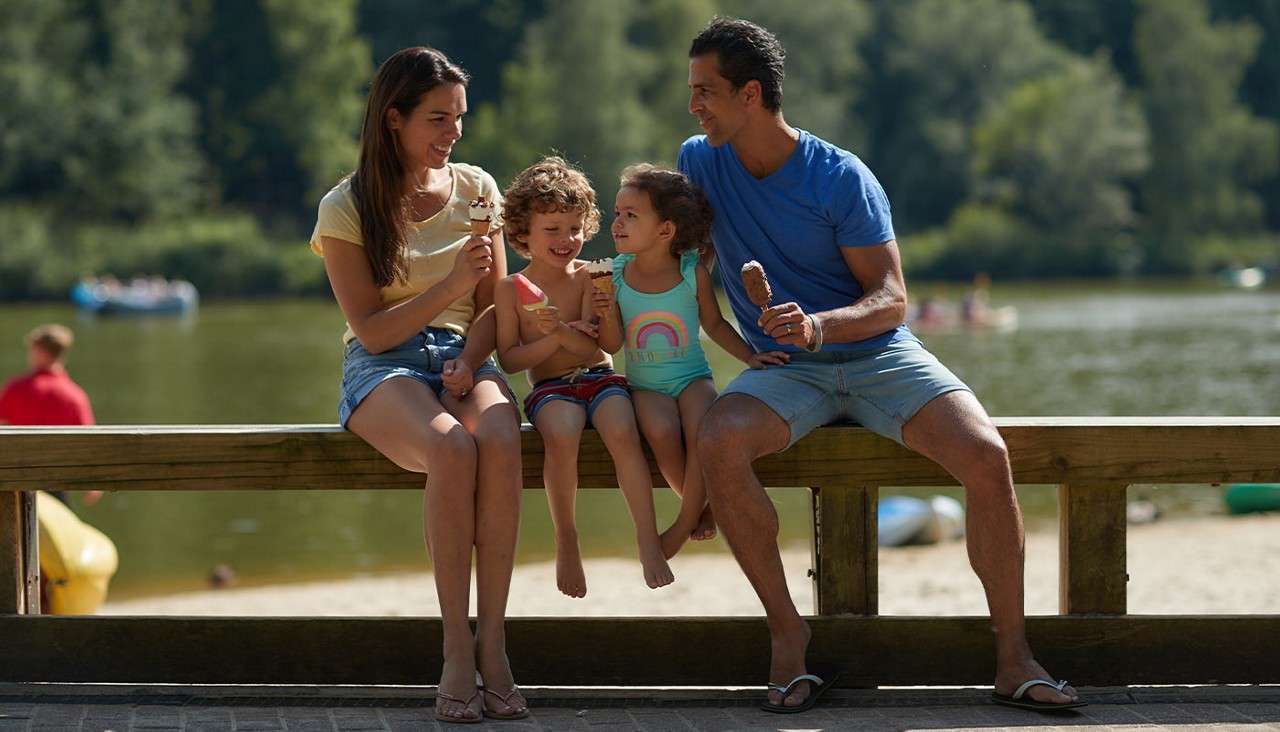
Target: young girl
[543,326]
[662,223]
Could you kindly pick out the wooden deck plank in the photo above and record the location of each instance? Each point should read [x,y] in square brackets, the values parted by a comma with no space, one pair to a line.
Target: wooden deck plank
[1091,651]
[1051,452]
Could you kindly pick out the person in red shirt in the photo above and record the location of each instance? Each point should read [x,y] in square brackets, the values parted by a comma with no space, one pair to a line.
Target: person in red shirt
[46,395]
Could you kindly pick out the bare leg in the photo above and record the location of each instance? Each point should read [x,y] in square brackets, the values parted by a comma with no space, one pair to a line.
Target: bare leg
[403,420]
[659,419]
[695,400]
[615,420]
[955,432]
[560,423]
[737,430]
[489,415]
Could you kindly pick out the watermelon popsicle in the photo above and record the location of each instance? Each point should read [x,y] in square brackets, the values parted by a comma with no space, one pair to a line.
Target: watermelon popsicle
[530,296]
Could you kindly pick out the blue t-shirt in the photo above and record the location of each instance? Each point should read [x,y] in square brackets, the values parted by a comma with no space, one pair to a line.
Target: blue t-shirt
[794,222]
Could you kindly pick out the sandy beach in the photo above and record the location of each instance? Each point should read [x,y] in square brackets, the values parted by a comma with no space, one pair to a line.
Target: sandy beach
[1222,565]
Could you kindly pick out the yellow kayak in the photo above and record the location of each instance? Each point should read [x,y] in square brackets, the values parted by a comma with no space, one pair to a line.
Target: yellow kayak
[76,560]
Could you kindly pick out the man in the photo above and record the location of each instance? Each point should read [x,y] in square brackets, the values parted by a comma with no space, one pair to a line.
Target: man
[46,395]
[818,221]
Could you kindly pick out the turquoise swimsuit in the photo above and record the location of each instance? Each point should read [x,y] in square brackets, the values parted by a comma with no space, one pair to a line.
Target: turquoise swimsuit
[663,351]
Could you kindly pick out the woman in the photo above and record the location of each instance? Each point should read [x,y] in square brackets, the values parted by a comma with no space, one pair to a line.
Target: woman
[416,288]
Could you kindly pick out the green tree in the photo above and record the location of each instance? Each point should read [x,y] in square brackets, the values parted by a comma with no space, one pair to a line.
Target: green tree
[92,123]
[478,34]
[574,87]
[1206,146]
[945,66]
[280,87]
[1060,155]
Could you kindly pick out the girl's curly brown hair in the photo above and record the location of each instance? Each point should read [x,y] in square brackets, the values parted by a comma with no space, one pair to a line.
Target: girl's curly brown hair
[551,185]
[676,199]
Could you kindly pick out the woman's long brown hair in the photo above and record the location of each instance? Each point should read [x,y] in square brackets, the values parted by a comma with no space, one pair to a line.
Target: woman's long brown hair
[378,181]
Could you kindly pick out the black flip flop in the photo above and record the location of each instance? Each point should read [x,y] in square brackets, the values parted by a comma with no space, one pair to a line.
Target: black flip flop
[821,683]
[1020,700]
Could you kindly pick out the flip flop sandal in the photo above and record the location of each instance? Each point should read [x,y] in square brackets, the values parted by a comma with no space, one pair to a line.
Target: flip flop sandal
[1020,700]
[466,703]
[506,701]
[819,687]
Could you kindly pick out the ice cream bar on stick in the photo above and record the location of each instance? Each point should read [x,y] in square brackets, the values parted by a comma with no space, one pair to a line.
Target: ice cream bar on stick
[601,272]
[757,284]
[481,212]
[530,296]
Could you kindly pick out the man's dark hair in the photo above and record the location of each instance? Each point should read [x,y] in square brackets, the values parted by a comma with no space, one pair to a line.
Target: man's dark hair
[746,52]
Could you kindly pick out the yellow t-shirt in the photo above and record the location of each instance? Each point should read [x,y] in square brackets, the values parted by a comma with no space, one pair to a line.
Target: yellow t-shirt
[433,244]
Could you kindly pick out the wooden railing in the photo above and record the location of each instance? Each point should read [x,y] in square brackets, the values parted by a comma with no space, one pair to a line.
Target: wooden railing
[1091,461]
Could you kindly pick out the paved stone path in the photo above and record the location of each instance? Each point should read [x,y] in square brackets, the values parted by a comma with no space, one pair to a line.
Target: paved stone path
[67,708]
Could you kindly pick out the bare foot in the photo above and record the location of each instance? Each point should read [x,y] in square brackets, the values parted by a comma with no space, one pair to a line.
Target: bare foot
[456,696]
[656,572]
[788,645]
[673,538]
[706,526]
[1009,676]
[570,577]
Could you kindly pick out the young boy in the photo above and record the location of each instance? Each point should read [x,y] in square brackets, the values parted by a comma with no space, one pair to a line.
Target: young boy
[544,321]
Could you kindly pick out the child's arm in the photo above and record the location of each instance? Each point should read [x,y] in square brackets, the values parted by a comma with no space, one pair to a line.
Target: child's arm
[713,322]
[512,354]
[580,337]
[606,309]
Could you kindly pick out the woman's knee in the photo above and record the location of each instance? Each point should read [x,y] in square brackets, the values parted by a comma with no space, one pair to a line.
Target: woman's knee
[497,438]
[453,453]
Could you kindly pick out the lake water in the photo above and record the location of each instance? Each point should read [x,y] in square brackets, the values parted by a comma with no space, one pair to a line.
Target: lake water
[1087,350]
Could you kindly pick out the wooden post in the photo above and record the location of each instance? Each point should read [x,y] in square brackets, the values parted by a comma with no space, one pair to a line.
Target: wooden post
[30,551]
[844,550]
[13,575]
[1091,549]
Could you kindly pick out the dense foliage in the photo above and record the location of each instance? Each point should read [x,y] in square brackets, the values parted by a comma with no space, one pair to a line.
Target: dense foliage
[1027,139]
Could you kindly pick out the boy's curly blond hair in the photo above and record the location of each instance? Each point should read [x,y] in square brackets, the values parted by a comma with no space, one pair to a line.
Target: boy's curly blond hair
[551,185]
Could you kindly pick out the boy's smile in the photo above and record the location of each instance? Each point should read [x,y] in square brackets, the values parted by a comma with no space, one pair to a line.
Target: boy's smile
[556,237]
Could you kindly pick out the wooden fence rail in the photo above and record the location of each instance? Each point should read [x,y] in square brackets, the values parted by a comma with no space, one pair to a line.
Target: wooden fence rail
[1091,461]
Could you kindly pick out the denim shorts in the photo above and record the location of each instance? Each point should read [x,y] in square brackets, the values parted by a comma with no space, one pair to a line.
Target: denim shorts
[421,357]
[880,390]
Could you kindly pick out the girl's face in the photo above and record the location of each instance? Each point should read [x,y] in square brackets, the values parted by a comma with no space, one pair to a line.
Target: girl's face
[556,238]
[636,225]
[428,133]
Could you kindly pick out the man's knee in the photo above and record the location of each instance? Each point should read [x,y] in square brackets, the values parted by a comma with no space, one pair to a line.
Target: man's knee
[729,434]
[987,460]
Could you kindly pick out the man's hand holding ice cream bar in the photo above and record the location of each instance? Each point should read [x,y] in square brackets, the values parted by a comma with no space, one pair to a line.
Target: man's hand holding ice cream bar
[757,284]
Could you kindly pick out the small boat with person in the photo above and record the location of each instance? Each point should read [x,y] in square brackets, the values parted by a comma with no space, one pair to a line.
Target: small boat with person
[142,296]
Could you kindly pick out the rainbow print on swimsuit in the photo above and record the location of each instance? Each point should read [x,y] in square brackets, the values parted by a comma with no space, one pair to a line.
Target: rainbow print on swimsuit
[656,335]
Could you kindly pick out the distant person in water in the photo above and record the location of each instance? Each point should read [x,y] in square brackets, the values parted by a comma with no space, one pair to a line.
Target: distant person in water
[46,396]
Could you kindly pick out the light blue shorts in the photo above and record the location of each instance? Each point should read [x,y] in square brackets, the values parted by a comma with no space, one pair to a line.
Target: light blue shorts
[880,391]
[421,357]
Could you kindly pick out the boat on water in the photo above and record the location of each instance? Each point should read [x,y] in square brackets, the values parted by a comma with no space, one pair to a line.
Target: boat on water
[154,296]
[76,560]
[903,520]
[1252,497]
